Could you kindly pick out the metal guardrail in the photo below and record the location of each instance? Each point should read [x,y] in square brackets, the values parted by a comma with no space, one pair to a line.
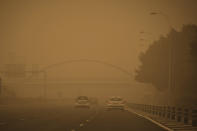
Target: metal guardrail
[179,114]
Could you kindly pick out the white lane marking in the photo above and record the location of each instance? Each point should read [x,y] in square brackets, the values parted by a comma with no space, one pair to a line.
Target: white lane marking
[155,122]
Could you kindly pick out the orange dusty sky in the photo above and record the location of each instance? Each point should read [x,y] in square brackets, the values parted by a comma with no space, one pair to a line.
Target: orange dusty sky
[50,31]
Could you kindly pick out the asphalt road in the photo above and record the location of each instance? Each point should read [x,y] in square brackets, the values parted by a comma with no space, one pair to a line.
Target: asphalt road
[62,117]
[116,120]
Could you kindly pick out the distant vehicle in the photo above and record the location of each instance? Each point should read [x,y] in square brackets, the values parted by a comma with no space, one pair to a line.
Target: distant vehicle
[115,103]
[82,102]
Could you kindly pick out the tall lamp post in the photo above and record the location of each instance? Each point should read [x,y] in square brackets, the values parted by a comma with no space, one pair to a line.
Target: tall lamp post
[0,86]
[45,84]
[158,12]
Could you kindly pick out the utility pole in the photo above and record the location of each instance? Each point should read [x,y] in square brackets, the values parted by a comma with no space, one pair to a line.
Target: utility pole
[171,62]
[0,86]
[45,85]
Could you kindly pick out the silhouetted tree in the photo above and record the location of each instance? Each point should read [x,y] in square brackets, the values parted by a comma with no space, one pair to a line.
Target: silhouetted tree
[154,68]
[154,63]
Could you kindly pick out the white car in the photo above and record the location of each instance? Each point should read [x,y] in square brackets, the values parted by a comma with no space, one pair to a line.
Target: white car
[82,102]
[115,103]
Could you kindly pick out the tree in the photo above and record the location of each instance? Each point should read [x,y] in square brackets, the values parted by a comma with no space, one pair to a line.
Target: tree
[178,48]
[154,63]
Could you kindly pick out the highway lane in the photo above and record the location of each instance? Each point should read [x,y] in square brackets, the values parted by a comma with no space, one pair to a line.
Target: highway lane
[116,120]
[64,117]
[42,117]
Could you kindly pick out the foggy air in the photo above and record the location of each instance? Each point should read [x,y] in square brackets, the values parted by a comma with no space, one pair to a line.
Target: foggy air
[98,65]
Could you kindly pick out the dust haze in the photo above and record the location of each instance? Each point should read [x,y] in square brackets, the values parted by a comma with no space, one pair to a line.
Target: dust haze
[44,33]
[62,49]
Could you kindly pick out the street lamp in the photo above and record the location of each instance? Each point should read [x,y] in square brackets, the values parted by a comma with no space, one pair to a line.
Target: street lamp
[153,13]
[158,12]
[45,84]
[0,86]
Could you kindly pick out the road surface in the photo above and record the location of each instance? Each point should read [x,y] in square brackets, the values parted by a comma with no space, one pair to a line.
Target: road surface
[63,117]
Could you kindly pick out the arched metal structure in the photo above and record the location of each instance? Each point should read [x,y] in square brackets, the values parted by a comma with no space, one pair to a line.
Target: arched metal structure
[90,61]
[44,70]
